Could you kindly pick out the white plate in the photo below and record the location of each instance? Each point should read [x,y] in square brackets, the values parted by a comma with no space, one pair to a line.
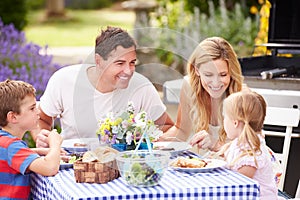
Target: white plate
[174,148]
[211,165]
[65,166]
[68,145]
[71,142]
[171,146]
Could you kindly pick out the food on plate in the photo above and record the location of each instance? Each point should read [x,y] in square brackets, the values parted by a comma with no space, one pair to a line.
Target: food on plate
[80,144]
[163,148]
[68,159]
[184,162]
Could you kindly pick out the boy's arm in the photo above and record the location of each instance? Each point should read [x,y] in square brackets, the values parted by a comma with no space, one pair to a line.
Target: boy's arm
[48,165]
[41,151]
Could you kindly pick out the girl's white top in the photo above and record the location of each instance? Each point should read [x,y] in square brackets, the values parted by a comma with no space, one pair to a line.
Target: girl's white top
[264,174]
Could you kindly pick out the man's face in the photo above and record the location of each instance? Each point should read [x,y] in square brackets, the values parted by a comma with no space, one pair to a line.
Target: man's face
[118,69]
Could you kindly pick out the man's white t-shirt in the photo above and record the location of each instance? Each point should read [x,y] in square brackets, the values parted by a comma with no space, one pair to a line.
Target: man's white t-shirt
[70,96]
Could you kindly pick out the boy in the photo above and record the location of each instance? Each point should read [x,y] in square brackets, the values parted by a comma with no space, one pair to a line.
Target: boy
[18,114]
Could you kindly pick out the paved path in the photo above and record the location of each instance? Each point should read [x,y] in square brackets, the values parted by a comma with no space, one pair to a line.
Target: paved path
[71,55]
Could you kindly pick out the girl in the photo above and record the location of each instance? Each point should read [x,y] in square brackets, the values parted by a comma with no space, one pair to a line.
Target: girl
[247,153]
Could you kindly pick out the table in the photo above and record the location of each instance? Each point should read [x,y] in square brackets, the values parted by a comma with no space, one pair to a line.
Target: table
[220,183]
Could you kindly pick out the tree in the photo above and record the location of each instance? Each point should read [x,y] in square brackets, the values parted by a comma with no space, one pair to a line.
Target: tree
[55,8]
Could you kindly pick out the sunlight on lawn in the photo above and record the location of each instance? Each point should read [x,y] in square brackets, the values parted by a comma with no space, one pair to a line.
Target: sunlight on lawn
[79,28]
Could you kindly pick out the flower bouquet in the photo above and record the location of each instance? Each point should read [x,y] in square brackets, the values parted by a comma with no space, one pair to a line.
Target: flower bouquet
[124,130]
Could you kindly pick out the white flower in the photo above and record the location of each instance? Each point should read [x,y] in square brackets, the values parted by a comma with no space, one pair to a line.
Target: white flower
[130,108]
[141,119]
[129,137]
[154,132]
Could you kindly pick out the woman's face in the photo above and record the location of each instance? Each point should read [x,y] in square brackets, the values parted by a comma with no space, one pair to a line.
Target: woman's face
[215,77]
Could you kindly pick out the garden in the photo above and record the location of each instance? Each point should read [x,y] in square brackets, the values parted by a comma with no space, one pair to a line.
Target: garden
[174,23]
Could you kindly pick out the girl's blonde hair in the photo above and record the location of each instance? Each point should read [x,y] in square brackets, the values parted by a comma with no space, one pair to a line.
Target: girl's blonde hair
[250,109]
[208,50]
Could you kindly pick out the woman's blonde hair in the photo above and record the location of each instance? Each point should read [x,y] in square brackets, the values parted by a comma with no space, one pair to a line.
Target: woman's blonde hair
[250,109]
[210,49]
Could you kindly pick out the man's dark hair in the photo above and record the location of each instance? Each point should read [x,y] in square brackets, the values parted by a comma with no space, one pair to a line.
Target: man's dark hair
[110,39]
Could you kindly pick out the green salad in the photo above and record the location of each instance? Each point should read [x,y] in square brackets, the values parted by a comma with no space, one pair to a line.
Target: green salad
[141,174]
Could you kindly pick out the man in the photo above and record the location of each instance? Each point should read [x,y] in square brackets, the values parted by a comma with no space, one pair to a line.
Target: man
[82,94]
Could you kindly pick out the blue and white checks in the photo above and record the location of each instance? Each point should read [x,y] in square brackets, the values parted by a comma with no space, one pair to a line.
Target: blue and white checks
[218,184]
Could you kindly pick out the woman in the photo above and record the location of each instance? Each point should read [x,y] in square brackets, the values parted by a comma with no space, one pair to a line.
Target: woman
[214,72]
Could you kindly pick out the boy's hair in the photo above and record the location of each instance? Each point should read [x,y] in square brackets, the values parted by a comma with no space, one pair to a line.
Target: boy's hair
[110,39]
[11,95]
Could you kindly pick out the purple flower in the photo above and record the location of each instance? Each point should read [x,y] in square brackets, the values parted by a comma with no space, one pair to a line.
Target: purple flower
[23,61]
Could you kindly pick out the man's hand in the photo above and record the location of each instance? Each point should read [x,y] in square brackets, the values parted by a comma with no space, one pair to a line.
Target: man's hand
[42,139]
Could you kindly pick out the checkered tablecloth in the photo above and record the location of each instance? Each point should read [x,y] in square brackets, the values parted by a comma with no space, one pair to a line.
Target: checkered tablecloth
[218,184]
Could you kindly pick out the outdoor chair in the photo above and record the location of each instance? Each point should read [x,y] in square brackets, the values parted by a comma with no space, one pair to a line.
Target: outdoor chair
[288,118]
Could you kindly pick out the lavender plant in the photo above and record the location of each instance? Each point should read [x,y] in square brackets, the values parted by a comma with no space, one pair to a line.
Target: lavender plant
[21,60]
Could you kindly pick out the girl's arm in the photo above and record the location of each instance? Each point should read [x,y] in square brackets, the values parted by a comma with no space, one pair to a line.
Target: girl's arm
[247,170]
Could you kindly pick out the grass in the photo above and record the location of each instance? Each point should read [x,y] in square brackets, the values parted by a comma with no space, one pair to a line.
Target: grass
[78,28]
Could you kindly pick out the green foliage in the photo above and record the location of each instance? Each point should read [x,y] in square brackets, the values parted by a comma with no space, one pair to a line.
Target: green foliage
[14,12]
[29,140]
[203,5]
[233,25]
[88,4]
[35,4]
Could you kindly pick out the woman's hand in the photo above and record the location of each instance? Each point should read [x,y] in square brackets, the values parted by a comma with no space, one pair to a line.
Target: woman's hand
[204,140]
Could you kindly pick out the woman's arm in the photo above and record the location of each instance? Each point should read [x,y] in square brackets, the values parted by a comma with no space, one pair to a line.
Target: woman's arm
[183,126]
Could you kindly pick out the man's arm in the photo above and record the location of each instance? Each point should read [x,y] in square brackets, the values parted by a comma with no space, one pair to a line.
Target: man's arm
[164,122]
[40,136]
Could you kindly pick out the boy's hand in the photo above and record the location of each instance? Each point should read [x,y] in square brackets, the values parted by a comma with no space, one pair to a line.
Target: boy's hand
[54,138]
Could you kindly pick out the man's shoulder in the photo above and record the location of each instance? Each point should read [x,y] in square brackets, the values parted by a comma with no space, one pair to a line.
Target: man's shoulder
[138,81]
[70,72]
[73,68]
[137,77]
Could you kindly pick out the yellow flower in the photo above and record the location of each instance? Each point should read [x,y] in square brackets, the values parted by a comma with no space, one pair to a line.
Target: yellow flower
[253,10]
[117,122]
